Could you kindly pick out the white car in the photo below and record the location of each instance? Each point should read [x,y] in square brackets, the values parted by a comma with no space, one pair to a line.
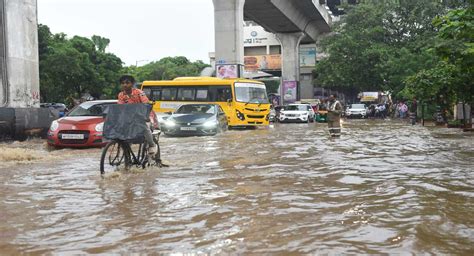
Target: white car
[356,110]
[297,113]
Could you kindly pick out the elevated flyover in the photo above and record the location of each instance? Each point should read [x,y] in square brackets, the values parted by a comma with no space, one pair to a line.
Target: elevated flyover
[290,16]
[293,21]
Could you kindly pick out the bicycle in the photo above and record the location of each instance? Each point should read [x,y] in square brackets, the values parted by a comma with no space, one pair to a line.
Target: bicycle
[120,154]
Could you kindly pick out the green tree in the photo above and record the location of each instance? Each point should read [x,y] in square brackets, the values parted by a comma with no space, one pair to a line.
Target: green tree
[271,85]
[457,30]
[166,68]
[450,81]
[100,43]
[70,67]
[378,44]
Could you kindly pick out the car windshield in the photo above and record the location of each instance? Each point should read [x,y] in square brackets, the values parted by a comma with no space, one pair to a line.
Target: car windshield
[296,107]
[250,93]
[89,109]
[196,109]
[358,106]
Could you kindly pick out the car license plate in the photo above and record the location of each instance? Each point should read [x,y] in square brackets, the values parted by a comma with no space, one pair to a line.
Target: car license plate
[73,136]
[188,128]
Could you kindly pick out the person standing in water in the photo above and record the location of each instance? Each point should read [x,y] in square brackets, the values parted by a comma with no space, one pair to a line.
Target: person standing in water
[334,116]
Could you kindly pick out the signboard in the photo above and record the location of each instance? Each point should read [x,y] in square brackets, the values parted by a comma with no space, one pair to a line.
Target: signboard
[227,71]
[257,36]
[308,57]
[289,91]
[369,96]
[263,62]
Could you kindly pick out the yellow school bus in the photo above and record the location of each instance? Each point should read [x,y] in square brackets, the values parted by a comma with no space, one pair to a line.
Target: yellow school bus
[244,101]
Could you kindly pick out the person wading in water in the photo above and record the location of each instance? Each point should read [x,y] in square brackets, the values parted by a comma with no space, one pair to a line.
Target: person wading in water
[334,116]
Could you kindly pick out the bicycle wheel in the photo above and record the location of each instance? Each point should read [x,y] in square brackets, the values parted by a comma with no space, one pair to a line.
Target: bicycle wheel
[115,155]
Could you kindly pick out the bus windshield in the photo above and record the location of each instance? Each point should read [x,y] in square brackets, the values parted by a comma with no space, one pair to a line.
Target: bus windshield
[250,93]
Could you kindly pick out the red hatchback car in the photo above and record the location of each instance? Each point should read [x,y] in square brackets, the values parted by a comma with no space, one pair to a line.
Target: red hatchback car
[82,127]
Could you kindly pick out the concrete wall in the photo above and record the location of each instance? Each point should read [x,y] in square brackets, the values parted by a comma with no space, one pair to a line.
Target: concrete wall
[20,70]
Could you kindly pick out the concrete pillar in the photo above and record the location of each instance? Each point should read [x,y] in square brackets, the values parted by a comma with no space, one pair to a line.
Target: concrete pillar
[290,64]
[229,31]
[19,64]
[3,58]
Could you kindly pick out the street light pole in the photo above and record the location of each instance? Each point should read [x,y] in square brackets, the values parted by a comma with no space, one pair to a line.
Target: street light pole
[137,61]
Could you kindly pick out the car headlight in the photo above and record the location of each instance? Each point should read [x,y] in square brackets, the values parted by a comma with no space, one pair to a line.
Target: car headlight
[99,127]
[170,123]
[212,123]
[54,126]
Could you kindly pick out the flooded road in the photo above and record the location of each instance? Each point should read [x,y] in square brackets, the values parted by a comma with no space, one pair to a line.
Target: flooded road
[383,187]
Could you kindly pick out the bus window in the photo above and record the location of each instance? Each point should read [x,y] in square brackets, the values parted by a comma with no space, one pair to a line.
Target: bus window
[224,94]
[221,93]
[155,94]
[168,94]
[147,92]
[201,94]
[186,94]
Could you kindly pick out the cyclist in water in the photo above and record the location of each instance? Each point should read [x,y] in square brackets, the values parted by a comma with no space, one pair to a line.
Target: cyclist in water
[130,95]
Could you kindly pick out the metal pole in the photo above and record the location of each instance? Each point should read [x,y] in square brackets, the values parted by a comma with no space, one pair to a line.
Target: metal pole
[464,117]
[422,113]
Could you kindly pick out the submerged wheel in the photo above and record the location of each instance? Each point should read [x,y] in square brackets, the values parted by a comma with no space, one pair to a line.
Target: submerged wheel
[114,156]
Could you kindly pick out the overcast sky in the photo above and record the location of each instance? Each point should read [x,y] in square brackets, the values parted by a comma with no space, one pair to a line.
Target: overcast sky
[138,29]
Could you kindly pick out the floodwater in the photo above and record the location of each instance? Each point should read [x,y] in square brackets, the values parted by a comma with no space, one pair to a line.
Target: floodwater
[383,187]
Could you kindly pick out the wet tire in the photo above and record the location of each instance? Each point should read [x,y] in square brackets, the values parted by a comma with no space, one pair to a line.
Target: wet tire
[115,156]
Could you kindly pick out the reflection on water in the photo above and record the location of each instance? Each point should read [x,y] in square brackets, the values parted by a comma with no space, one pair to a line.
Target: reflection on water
[383,187]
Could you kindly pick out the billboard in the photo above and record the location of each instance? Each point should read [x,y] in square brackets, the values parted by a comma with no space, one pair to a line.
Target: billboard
[369,96]
[289,91]
[308,57]
[227,71]
[263,62]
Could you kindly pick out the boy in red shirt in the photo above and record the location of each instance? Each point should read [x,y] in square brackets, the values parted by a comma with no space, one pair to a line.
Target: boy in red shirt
[130,95]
